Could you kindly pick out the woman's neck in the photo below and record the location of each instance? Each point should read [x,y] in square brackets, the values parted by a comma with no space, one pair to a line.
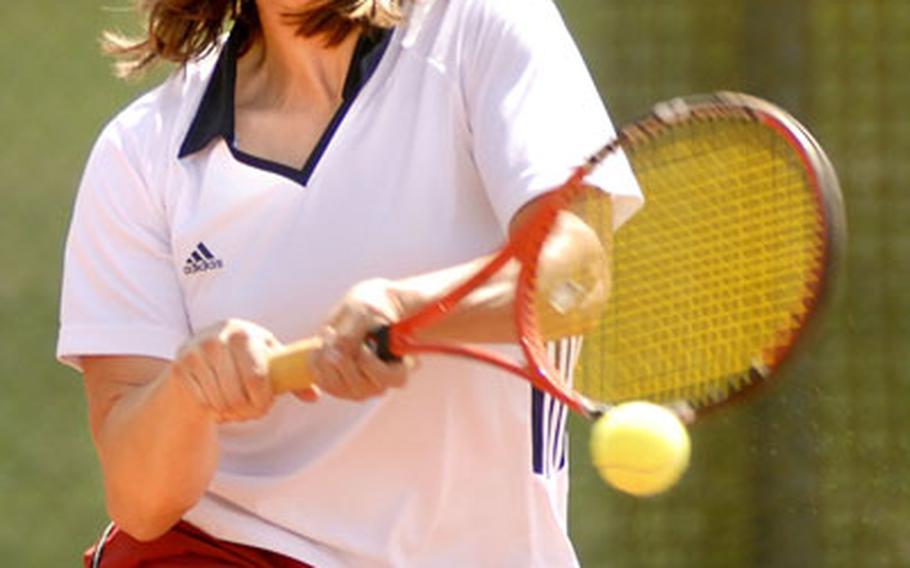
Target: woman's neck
[285,70]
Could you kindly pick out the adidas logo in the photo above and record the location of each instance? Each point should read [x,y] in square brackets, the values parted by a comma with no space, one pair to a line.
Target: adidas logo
[202,260]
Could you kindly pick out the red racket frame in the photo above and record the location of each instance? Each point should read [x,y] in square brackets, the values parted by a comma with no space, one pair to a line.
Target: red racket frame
[525,245]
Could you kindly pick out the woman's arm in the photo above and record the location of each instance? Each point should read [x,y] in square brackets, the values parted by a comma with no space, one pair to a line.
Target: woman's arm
[345,368]
[154,423]
[487,315]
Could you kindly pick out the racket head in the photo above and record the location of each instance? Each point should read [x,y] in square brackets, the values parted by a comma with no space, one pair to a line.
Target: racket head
[717,281]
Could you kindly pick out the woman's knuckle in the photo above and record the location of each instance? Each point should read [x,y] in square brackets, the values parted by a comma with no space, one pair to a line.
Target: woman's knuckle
[238,338]
[210,345]
[190,359]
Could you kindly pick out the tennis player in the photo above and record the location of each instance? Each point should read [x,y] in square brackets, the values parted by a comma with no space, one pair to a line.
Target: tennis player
[324,166]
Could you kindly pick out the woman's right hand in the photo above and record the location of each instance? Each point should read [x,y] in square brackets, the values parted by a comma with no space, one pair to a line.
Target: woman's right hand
[225,367]
[154,422]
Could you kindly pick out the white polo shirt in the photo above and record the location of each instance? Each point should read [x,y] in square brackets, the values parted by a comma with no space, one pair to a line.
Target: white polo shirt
[451,122]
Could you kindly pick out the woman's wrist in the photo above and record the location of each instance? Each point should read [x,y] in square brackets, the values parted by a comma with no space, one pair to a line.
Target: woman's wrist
[409,295]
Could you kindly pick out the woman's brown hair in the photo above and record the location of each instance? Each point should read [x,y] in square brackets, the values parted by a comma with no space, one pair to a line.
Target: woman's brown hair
[182,30]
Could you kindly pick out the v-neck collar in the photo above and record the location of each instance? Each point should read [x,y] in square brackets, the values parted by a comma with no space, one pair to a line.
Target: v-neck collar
[215,115]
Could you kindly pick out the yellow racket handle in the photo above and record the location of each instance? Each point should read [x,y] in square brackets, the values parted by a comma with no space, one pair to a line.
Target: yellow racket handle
[289,370]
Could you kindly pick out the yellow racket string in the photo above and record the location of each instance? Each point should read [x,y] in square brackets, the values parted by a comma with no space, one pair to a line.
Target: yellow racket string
[710,279]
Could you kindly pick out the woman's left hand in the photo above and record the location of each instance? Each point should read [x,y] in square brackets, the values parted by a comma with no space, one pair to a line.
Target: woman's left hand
[346,367]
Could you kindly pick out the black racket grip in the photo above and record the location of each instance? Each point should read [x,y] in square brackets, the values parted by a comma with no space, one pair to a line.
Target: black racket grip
[379,341]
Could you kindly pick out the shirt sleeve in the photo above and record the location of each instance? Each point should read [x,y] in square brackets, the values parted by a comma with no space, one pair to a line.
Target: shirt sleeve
[534,111]
[120,291]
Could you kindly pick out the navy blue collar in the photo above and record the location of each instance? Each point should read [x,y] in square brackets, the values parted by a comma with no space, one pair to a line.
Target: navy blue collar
[215,115]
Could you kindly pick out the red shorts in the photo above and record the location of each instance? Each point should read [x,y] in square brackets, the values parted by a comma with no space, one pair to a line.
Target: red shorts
[183,545]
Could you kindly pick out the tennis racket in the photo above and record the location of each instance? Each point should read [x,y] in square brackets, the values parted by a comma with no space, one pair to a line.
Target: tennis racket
[714,283]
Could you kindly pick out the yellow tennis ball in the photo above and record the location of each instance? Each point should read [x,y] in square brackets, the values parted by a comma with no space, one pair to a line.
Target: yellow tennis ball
[640,448]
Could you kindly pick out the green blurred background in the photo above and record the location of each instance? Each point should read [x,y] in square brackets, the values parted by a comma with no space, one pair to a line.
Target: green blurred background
[815,474]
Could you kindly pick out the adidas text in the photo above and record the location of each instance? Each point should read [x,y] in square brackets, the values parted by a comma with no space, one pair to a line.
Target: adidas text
[202,266]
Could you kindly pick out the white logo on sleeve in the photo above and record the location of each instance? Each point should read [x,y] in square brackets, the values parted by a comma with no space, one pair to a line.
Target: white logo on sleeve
[201,260]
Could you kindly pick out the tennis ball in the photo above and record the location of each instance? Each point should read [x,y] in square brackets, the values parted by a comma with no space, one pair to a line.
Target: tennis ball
[640,448]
